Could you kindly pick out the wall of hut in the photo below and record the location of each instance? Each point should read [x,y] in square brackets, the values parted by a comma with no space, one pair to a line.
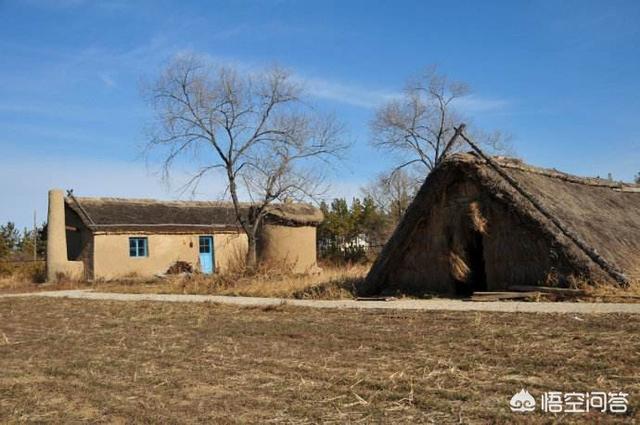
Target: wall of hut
[111,258]
[289,247]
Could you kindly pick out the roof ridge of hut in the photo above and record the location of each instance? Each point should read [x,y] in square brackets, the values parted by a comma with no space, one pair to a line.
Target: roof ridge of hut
[151,201]
[128,212]
[518,164]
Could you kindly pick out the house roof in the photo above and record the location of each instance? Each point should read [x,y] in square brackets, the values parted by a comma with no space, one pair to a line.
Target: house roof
[604,214]
[119,214]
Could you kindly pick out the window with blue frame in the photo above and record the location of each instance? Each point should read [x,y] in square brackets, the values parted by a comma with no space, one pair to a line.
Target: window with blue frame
[205,244]
[138,247]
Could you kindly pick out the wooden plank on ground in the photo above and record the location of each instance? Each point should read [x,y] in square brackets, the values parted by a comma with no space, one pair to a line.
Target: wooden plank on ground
[376,299]
[499,296]
[546,289]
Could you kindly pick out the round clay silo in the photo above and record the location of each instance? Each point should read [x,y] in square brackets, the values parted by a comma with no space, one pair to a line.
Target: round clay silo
[288,246]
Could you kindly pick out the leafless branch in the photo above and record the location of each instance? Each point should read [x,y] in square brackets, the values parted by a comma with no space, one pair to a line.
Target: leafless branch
[255,128]
[418,127]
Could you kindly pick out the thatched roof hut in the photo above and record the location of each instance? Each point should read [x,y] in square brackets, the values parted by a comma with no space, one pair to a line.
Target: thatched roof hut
[469,228]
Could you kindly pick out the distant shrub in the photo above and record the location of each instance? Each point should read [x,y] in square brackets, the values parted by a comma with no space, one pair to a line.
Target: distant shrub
[35,272]
[31,271]
[344,255]
[6,269]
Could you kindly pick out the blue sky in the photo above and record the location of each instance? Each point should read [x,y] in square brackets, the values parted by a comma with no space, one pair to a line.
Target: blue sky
[560,76]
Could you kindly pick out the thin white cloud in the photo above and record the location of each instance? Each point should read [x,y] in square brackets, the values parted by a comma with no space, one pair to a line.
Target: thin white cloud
[370,98]
[349,94]
[146,58]
[477,104]
[107,80]
[317,87]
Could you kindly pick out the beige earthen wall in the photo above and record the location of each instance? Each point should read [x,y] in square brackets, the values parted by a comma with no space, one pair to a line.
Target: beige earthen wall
[230,251]
[293,246]
[58,263]
[111,258]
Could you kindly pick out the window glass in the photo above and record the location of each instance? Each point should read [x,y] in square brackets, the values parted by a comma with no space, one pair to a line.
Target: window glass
[138,247]
[205,244]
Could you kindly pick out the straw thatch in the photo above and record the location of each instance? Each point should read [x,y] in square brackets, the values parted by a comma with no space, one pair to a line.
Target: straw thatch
[118,214]
[469,229]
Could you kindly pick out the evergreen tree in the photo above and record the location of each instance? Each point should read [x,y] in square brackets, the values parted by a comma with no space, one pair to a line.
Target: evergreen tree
[357,214]
[343,225]
[340,220]
[42,241]
[27,243]
[14,243]
[374,222]
[4,248]
[9,239]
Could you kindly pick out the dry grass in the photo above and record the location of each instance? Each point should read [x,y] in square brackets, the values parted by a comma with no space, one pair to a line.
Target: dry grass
[334,282]
[29,277]
[70,361]
[22,272]
[21,287]
[612,293]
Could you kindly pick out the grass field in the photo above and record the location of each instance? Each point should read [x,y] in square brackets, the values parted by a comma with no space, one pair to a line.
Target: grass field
[70,361]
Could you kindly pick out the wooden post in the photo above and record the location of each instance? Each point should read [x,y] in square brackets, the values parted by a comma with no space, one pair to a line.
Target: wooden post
[35,237]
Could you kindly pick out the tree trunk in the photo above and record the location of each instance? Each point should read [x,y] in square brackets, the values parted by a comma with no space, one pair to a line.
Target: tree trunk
[249,230]
[252,257]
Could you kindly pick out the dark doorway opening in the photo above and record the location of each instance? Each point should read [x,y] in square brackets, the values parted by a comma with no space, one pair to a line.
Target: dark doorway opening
[477,278]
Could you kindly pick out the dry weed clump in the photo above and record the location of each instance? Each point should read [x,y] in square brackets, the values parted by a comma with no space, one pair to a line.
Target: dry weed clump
[198,283]
[22,276]
[611,293]
[330,282]
[342,287]
[28,271]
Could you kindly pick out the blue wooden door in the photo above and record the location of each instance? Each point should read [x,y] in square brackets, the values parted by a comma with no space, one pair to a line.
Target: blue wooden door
[206,254]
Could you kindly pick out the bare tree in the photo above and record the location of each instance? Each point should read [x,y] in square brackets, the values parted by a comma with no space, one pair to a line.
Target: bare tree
[392,193]
[419,126]
[268,144]
[637,179]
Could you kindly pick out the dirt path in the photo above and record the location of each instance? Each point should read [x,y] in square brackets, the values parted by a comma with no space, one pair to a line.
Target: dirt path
[407,304]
